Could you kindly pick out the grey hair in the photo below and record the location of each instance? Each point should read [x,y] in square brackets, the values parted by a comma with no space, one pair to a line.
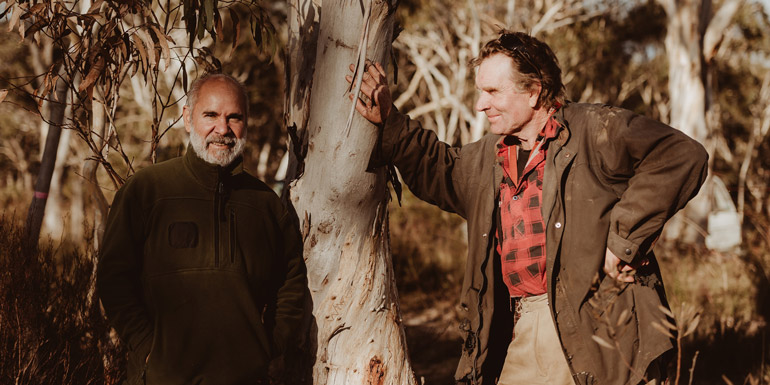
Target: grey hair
[195,89]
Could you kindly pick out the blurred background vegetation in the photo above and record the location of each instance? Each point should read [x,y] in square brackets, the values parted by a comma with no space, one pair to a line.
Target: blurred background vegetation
[612,52]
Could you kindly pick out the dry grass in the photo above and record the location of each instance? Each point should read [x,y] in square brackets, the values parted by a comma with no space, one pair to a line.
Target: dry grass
[51,328]
[728,293]
[51,334]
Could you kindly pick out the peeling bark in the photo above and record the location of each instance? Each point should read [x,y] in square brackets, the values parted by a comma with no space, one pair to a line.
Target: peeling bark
[356,332]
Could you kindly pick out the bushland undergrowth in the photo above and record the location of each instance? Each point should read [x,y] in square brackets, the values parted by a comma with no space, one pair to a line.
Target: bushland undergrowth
[52,332]
[728,292]
[51,328]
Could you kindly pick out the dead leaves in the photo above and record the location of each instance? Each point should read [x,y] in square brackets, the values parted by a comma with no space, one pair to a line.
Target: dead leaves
[94,73]
[152,45]
[48,84]
[18,10]
[236,22]
[163,40]
[3,94]
[602,342]
[145,48]
[114,38]
[687,317]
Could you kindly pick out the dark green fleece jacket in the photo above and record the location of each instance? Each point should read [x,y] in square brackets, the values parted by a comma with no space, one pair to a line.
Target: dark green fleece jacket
[200,273]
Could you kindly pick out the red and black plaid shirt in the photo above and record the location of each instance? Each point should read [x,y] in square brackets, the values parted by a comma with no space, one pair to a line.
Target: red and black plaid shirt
[521,234]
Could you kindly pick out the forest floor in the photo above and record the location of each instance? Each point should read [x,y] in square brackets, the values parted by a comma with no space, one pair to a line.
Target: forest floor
[718,355]
[432,335]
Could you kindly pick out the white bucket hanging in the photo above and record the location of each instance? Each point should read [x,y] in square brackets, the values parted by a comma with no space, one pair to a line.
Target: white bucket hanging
[724,224]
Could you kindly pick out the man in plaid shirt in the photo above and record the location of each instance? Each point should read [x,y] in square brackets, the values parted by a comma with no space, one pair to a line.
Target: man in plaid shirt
[564,202]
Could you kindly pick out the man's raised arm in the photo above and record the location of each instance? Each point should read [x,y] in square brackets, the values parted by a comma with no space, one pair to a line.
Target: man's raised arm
[427,165]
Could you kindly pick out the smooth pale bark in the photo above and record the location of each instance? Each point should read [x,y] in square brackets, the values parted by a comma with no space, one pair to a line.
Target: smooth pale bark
[90,168]
[687,96]
[691,41]
[685,78]
[56,216]
[356,332]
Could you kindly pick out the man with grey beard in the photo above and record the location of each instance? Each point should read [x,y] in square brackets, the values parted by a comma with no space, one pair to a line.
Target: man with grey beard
[201,272]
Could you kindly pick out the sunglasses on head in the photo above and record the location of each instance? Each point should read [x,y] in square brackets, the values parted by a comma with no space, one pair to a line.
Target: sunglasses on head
[513,44]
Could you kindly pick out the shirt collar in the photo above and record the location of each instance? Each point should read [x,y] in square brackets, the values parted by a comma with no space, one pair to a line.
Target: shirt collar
[549,131]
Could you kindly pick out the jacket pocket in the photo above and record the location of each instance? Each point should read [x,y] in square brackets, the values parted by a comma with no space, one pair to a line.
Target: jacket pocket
[138,358]
[145,360]
[604,294]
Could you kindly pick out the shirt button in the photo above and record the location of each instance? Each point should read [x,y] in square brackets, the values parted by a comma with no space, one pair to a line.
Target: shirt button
[484,235]
[557,225]
[628,251]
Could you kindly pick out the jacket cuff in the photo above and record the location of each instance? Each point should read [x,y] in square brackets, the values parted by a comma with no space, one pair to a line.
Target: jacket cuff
[622,248]
[392,128]
[388,134]
[281,338]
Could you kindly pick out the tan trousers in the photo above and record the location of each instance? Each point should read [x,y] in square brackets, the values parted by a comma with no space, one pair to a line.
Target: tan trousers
[535,356]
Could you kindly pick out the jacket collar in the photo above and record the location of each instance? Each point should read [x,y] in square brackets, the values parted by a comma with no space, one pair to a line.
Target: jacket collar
[563,134]
[209,174]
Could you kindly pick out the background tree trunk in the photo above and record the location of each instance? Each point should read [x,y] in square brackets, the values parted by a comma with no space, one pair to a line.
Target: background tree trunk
[357,333]
[56,217]
[43,184]
[687,96]
[692,39]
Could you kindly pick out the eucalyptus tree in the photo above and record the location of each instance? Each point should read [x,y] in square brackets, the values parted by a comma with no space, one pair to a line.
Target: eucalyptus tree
[694,33]
[357,336]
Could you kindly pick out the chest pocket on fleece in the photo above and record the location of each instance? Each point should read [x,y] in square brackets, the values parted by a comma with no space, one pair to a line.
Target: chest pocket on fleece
[182,235]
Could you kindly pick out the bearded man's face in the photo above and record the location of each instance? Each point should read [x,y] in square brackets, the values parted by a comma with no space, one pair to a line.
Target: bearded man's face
[217,122]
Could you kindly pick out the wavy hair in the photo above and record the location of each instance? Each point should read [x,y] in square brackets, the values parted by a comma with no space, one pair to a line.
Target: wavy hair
[533,60]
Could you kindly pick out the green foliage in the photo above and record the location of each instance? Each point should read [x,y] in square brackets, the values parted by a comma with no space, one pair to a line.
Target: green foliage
[612,57]
[51,328]
[201,16]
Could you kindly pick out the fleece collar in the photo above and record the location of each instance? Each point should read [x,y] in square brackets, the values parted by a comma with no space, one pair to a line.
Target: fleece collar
[209,175]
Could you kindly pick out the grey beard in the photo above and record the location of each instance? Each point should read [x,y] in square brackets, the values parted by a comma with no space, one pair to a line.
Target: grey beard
[220,157]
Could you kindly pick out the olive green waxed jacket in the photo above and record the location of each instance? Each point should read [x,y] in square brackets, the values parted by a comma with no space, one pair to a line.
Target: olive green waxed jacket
[200,273]
[612,178]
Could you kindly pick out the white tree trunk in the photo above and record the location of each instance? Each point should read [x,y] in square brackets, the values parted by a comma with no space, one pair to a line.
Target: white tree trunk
[687,96]
[90,168]
[358,334]
[685,84]
[690,47]
[55,214]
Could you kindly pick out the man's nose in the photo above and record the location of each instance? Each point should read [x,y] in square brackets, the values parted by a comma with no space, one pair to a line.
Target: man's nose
[482,103]
[221,126]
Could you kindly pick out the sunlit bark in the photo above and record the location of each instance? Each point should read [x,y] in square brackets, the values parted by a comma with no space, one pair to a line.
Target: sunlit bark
[692,39]
[357,333]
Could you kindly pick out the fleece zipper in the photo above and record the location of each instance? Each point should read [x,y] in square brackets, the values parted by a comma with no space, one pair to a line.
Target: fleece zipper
[218,214]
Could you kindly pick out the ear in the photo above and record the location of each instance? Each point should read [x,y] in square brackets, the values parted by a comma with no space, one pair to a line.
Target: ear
[534,95]
[187,118]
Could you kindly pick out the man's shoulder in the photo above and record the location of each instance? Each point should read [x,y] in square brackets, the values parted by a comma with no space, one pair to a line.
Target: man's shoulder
[249,182]
[161,169]
[159,174]
[251,192]
[482,148]
[486,141]
[592,112]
